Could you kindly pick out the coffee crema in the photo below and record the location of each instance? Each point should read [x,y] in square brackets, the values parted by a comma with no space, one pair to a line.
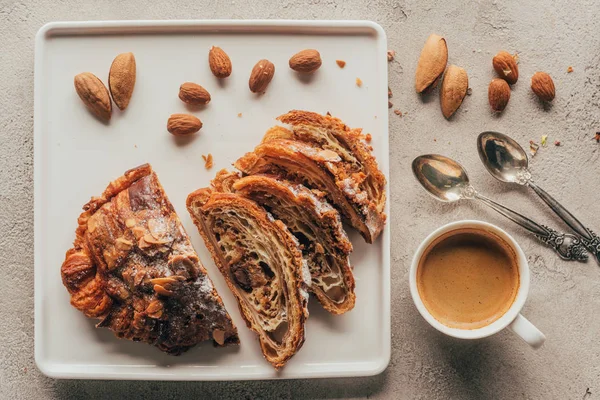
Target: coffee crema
[468,278]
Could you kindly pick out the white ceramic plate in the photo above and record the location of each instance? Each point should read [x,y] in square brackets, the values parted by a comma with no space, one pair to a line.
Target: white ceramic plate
[76,156]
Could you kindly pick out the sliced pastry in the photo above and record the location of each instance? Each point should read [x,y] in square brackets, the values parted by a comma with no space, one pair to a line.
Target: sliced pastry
[320,169]
[318,228]
[133,267]
[262,264]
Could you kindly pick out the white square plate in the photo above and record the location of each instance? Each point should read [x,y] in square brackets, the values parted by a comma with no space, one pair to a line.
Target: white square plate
[76,156]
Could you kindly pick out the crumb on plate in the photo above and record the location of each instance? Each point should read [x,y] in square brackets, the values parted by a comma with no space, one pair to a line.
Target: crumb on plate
[340,63]
[208,160]
[358,82]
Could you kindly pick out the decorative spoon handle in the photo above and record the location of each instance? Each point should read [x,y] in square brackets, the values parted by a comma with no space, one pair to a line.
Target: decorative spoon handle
[568,246]
[588,238]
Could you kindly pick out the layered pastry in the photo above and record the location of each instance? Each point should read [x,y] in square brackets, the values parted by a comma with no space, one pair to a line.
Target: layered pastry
[262,264]
[132,266]
[318,228]
[323,153]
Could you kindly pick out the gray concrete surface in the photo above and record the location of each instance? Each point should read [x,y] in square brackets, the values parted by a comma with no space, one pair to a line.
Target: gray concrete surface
[565,298]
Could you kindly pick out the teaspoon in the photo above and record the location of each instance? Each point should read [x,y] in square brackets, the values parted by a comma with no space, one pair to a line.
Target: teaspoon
[507,161]
[447,180]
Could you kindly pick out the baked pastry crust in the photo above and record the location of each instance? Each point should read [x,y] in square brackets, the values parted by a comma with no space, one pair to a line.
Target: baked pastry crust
[132,266]
[262,264]
[318,228]
[342,155]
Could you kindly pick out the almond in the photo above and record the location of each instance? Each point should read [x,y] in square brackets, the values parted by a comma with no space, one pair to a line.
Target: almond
[306,61]
[432,63]
[94,95]
[505,65]
[219,62]
[194,94]
[454,89]
[261,75]
[498,94]
[543,86]
[183,124]
[121,79]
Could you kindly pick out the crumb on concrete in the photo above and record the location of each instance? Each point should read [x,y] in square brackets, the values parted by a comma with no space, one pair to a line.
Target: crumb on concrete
[570,69]
[398,112]
[390,55]
[389,93]
[390,105]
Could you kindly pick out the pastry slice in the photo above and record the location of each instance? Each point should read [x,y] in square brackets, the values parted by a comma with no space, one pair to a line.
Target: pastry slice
[327,132]
[133,267]
[318,228]
[262,264]
[321,169]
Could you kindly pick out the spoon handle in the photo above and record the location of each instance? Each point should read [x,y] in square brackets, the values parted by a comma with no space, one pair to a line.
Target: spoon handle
[568,247]
[589,238]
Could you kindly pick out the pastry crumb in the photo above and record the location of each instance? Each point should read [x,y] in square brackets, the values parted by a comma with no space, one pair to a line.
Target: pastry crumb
[469,91]
[533,148]
[135,145]
[390,105]
[340,63]
[368,137]
[557,143]
[208,160]
[389,93]
[358,82]
[398,112]
[570,69]
[239,115]
[390,55]
[597,137]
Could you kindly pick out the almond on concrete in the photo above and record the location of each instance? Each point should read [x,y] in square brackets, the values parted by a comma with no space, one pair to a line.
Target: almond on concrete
[261,76]
[498,94]
[306,61]
[194,94]
[454,89]
[543,86]
[94,95]
[505,65]
[219,62]
[432,63]
[121,79]
[183,124]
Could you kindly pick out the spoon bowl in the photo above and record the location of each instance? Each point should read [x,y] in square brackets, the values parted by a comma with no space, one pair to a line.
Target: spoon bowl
[503,157]
[442,177]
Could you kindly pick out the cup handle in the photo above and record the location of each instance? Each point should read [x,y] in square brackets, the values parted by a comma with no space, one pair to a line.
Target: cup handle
[527,331]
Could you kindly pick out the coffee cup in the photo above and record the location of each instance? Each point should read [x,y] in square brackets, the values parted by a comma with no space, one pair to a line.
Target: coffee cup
[470,279]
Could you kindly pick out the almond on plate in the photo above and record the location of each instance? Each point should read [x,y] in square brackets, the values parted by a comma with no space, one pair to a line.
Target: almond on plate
[194,94]
[261,76]
[454,89]
[183,124]
[219,62]
[307,61]
[121,79]
[543,86]
[432,63]
[94,95]
[505,65]
[498,94]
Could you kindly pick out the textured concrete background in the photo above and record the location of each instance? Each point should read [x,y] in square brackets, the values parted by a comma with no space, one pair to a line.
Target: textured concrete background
[565,297]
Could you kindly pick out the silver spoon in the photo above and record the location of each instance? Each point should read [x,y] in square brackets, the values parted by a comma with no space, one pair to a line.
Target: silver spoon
[447,181]
[507,161]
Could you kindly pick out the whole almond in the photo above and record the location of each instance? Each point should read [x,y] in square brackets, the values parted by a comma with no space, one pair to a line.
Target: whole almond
[261,75]
[306,61]
[94,95]
[432,63]
[121,79]
[183,124]
[194,94]
[454,89]
[505,65]
[219,62]
[543,86]
[498,94]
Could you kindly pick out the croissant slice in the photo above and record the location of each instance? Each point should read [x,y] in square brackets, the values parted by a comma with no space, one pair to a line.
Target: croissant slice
[318,228]
[327,132]
[133,267]
[262,264]
[320,169]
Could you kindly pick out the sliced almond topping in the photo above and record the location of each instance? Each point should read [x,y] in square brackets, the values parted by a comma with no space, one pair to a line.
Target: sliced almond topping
[130,222]
[162,291]
[92,225]
[123,244]
[148,238]
[155,309]
[138,232]
[328,155]
[219,336]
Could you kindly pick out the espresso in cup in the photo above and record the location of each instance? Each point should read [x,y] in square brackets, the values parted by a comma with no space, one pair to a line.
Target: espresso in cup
[468,278]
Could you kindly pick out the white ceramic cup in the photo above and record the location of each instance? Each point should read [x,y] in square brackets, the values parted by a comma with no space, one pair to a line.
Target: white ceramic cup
[512,319]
